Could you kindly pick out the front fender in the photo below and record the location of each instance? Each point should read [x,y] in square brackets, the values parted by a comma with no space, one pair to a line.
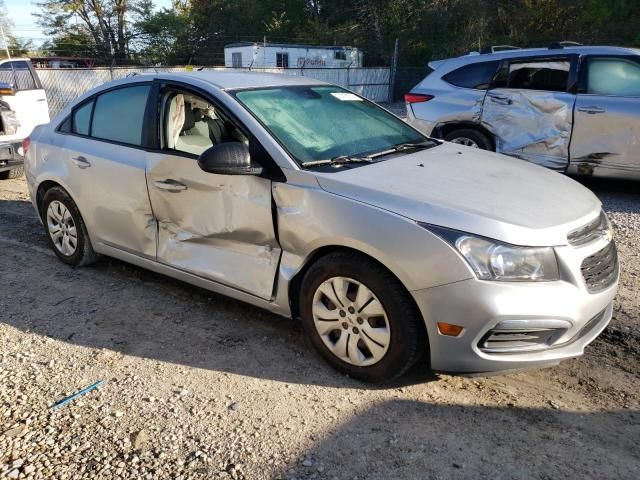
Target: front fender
[311,218]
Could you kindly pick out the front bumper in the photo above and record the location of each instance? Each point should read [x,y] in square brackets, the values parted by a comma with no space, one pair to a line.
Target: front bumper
[484,307]
[10,155]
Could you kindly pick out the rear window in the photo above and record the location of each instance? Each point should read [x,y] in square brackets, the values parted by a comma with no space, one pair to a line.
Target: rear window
[81,119]
[476,75]
[19,74]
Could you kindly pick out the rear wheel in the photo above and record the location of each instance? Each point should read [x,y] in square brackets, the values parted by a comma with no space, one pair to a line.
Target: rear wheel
[469,138]
[65,229]
[360,318]
[13,173]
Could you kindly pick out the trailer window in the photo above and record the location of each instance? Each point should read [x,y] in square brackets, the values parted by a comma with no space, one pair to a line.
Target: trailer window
[340,55]
[282,60]
[236,59]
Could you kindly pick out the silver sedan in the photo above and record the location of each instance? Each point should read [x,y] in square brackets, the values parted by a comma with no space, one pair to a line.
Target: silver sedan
[308,200]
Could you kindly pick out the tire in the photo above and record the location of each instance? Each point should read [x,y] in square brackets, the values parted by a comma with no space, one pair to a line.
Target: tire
[470,138]
[400,333]
[58,209]
[13,173]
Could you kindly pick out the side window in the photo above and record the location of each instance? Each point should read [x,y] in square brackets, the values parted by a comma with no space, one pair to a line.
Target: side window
[191,124]
[82,118]
[24,76]
[475,75]
[119,114]
[548,75]
[613,76]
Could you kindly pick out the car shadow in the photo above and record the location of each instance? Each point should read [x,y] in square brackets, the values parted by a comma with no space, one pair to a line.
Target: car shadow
[411,439]
[117,306]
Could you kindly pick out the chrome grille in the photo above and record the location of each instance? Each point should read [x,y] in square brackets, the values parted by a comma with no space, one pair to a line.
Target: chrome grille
[591,231]
[600,270]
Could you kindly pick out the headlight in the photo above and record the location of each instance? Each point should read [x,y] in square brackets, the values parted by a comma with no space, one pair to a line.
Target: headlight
[491,260]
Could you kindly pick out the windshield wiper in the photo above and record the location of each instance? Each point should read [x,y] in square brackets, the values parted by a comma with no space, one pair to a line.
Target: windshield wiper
[401,147]
[339,160]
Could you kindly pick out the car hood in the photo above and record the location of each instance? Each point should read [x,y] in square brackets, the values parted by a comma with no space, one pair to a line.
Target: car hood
[471,190]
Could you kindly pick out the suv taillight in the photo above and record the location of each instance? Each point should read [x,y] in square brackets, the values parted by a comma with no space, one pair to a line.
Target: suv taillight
[416,97]
[25,145]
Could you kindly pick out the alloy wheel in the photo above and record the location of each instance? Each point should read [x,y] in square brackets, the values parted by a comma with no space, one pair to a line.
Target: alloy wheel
[62,228]
[466,141]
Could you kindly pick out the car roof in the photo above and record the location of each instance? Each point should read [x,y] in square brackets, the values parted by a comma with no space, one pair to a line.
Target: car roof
[231,80]
[533,52]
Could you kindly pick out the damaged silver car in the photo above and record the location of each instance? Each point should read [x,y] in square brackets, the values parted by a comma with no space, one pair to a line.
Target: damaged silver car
[310,201]
[574,109]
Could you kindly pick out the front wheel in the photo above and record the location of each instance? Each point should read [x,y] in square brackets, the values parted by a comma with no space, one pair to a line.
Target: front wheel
[360,318]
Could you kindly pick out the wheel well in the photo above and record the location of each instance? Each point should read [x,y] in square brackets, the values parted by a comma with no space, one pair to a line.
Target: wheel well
[441,131]
[296,282]
[43,188]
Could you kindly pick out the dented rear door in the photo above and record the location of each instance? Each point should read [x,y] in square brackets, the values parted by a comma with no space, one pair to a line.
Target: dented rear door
[219,227]
[529,109]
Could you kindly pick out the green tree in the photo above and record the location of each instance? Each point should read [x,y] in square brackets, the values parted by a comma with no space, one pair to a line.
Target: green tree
[108,24]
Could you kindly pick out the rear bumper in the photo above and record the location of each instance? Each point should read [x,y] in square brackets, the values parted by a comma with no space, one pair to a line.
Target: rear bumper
[10,155]
[483,308]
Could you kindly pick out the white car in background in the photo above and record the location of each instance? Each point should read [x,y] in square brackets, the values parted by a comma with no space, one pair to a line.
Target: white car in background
[23,106]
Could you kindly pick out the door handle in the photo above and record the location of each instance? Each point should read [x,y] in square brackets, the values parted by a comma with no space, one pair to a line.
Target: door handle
[500,99]
[592,110]
[170,185]
[81,162]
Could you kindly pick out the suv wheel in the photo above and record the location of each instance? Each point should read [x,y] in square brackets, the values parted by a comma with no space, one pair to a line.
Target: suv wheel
[13,173]
[469,138]
[66,231]
[360,318]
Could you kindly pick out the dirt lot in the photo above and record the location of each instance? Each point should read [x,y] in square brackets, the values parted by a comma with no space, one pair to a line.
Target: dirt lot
[200,386]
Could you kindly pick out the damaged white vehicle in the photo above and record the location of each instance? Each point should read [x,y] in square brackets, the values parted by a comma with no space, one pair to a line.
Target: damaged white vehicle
[23,105]
[574,109]
[310,201]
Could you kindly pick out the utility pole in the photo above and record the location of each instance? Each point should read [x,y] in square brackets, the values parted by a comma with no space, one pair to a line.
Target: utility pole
[4,40]
[393,69]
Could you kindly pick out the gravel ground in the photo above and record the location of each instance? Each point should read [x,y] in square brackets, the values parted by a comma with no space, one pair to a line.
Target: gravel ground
[201,386]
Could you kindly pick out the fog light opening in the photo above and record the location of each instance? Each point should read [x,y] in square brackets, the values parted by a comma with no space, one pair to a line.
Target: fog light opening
[449,329]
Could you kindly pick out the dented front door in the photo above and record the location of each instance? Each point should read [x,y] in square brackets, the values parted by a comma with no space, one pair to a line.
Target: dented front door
[606,132]
[219,227]
[530,110]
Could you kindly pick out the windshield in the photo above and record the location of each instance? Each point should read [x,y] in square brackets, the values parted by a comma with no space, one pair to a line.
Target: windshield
[324,122]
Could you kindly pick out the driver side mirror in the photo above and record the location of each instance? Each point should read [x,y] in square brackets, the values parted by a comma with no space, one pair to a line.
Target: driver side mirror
[228,158]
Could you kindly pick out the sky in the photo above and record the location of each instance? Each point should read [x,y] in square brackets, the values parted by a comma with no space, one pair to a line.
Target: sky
[19,12]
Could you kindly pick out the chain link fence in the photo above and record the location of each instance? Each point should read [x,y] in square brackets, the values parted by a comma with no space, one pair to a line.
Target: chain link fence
[65,85]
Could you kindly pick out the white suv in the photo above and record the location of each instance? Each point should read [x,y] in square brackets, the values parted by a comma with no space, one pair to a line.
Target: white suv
[23,105]
[573,109]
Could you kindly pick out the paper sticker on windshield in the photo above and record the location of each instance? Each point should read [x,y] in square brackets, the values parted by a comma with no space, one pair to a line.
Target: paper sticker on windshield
[346,96]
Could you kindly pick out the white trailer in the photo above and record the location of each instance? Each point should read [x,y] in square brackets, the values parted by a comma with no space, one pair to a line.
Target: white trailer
[283,55]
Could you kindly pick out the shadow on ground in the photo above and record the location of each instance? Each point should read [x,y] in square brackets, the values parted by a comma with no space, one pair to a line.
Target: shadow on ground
[117,306]
[405,439]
